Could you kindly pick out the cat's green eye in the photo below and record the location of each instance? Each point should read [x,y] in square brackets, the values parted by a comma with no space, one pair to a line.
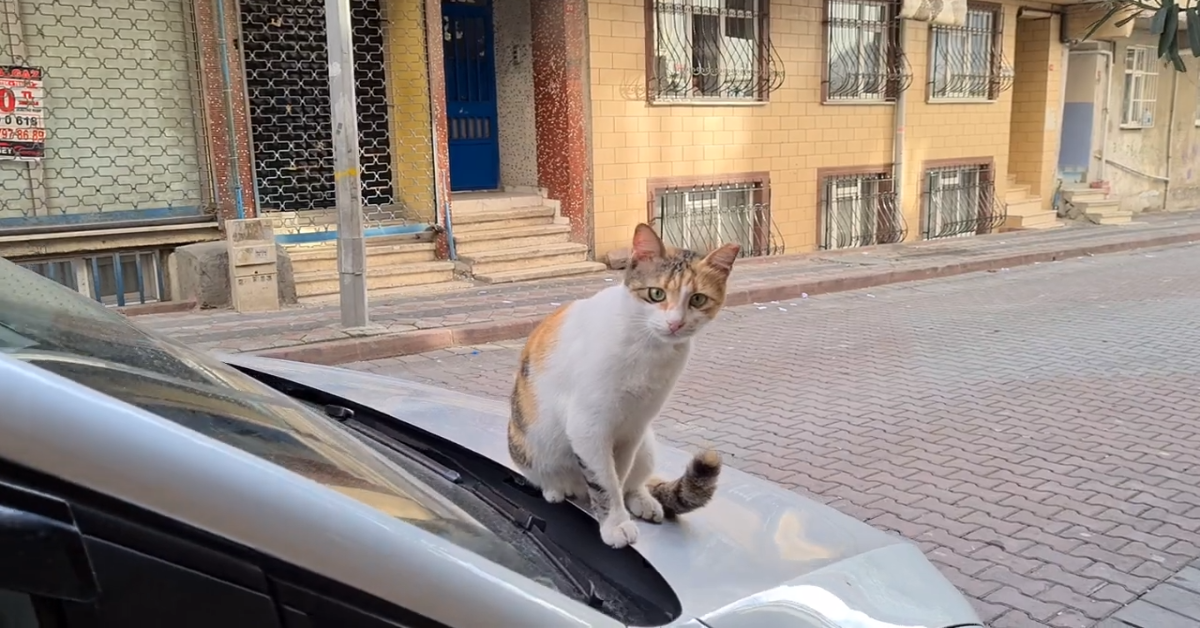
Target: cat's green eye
[656,295]
[698,300]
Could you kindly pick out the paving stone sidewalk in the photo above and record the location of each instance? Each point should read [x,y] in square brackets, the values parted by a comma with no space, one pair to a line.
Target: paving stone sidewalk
[413,324]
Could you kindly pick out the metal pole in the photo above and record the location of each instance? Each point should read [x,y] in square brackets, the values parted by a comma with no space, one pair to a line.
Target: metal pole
[352,259]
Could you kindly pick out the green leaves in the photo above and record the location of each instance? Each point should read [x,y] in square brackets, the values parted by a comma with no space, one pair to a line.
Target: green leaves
[1193,30]
[1165,23]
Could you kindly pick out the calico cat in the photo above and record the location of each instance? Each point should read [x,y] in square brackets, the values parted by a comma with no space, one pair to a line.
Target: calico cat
[594,374]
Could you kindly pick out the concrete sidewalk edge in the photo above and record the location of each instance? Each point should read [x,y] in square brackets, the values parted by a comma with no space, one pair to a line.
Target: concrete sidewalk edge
[344,351]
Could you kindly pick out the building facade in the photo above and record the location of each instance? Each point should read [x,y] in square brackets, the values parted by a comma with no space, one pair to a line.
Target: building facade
[519,139]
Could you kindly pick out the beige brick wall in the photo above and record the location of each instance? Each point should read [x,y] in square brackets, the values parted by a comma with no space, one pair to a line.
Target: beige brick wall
[1036,114]
[790,137]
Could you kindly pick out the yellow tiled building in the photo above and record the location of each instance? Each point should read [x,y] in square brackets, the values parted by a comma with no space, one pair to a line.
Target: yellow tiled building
[798,141]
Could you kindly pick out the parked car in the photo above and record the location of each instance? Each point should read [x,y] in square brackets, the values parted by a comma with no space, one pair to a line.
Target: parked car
[147,484]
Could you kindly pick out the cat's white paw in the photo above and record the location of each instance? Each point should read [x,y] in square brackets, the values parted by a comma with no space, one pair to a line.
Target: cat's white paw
[553,496]
[619,535]
[643,506]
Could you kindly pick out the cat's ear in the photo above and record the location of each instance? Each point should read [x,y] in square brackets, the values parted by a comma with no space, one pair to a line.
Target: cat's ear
[722,259]
[646,244]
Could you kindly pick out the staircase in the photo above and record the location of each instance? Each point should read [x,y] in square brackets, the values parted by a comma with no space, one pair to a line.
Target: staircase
[1097,205]
[502,237]
[396,265]
[1026,211]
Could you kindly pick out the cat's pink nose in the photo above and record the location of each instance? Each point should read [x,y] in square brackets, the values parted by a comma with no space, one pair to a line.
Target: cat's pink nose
[674,327]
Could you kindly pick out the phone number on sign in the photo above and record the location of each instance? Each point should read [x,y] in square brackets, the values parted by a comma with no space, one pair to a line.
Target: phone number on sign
[25,121]
[24,135]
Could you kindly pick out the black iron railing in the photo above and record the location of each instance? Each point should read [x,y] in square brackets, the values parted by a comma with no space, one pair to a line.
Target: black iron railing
[860,210]
[960,201]
[287,83]
[712,49]
[704,217]
[968,61]
[865,60]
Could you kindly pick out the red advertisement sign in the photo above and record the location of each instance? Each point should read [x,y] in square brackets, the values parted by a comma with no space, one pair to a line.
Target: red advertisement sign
[22,115]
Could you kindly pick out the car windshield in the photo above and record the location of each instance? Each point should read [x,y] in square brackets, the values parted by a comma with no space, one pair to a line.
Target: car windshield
[54,328]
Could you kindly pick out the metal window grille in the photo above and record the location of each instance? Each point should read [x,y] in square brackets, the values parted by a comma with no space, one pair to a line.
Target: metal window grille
[712,49]
[967,61]
[704,217]
[961,201]
[287,82]
[114,279]
[1141,87]
[111,130]
[864,60]
[860,210]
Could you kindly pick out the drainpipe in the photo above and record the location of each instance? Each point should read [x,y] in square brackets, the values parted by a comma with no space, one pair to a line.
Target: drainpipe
[230,128]
[898,133]
[1170,134]
[1108,56]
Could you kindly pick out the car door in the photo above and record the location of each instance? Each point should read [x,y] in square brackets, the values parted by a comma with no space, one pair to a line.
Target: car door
[66,564]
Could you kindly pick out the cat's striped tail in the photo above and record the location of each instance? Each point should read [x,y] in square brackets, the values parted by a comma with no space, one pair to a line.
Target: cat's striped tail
[691,491]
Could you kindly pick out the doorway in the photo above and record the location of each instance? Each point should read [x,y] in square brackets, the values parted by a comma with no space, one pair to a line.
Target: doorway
[468,40]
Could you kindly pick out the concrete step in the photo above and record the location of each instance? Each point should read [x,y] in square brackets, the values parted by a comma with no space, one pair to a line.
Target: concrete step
[471,221]
[505,260]
[507,239]
[1040,220]
[1016,193]
[422,290]
[542,272]
[1106,206]
[1111,218]
[491,201]
[1083,195]
[326,282]
[1028,206]
[379,254]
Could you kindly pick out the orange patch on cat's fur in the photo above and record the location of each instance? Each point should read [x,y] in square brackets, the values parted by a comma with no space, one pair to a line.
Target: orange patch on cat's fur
[537,350]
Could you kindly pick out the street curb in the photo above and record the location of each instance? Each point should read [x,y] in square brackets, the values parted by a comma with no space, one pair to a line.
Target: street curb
[362,349]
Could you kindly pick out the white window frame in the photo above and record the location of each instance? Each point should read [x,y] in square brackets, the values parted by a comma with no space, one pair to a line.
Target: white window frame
[855,38]
[710,211]
[955,195]
[951,65]
[1139,97]
[674,45]
[858,195]
[82,272]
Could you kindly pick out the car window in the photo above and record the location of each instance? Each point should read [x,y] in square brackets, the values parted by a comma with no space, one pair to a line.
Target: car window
[54,328]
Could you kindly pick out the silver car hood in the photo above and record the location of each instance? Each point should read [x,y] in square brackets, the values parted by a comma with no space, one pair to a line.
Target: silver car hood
[758,555]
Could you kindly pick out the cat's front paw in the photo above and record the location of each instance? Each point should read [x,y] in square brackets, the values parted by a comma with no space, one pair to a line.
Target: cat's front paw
[643,506]
[619,535]
[553,496]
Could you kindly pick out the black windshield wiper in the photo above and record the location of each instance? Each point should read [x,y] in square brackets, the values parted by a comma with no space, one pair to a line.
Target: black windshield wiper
[533,526]
[433,466]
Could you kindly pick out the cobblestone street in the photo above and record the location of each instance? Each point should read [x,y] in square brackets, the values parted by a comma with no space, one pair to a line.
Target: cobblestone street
[1035,430]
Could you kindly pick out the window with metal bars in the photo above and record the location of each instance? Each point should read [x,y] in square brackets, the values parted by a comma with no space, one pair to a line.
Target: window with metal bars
[116,279]
[863,57]
[1141,87]
[287,84]
[710,50]
[966,62]
[960,200]
[860,209]
[703,217]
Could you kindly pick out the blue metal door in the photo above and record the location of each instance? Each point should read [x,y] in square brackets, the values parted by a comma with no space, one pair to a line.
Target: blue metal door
[467,39]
